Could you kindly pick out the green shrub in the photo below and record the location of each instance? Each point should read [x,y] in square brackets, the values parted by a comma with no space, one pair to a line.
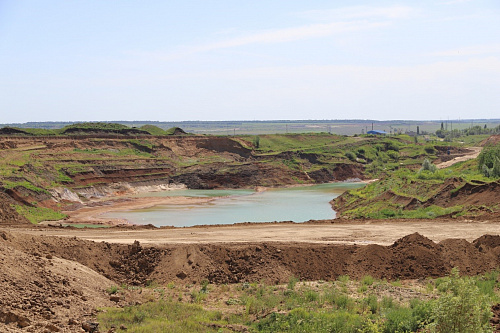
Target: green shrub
[408,319]
[392,145]
[371,303]
[256,142]
[367,280]
[393,154]
[386,212]
[350,155]
[292,281]
[342,301]
[112,290]
[430,149]
[489,161]
[461,308]
[428,166]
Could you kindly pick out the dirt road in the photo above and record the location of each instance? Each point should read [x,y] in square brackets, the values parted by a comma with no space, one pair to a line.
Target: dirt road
[474,154]
[383,232]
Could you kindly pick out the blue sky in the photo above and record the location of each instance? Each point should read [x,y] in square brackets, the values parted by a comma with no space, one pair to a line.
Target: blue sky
[87,60]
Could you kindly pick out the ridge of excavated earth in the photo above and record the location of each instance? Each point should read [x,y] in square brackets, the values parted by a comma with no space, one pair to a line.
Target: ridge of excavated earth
[52,283]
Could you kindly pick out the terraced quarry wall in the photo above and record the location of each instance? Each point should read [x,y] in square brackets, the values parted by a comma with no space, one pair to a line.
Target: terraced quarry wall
[52,172]
[34,168]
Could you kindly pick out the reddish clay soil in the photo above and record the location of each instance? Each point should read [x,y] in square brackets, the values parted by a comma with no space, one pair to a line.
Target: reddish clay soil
[8,214]
[492,140]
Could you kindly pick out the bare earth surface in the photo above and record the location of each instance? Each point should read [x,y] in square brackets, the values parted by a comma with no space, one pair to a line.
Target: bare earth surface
[92,214]
[52,279]
[382,232]
[474,154]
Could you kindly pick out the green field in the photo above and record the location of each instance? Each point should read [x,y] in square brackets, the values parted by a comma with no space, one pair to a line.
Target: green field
[444,305]
[341,127]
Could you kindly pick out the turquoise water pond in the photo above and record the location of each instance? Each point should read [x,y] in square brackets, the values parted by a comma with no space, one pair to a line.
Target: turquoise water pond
[297,204]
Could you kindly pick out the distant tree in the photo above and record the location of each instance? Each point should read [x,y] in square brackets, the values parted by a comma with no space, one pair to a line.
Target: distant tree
[441,133]
[418,130]
[442,126]
[489,161]
[485,127]
[256,141]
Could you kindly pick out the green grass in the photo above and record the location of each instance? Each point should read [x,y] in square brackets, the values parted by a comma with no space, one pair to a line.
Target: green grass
[39,214]
[96,126]
[305,307]
[377,199]
[153,130]
[118,152]
[10,184]
[163,316]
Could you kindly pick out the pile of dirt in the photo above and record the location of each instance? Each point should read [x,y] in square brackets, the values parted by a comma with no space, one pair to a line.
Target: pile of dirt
[492,140]
[53,283]
[40,292]
[467,194]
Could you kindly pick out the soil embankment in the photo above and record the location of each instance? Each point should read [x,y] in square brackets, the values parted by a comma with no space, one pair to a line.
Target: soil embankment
[53,283]
[8,215]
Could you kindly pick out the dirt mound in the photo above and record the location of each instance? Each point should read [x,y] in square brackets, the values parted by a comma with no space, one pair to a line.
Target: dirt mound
[45,293]
[492,140]
[48,282]
[460,253]
[417,256]
[412,256]
[487,242]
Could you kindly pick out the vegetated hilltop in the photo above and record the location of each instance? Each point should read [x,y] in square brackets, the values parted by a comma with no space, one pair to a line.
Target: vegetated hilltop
[467,188]
[93,129]
[46,174]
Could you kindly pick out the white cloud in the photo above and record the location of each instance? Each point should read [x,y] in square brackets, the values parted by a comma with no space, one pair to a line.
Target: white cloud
[338,21]
[277,36]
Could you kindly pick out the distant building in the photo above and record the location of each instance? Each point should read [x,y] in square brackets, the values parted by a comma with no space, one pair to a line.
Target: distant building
[376,132]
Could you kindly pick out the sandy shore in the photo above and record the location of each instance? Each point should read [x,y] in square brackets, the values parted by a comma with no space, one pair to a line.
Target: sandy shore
[92,214]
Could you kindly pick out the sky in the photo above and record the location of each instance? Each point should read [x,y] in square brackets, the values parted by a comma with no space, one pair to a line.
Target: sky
[102,60]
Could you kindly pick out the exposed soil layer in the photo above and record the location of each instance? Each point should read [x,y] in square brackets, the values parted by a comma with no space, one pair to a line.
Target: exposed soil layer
[8,215]
[451,192]
[492,140]
[58,281]
[199,162]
